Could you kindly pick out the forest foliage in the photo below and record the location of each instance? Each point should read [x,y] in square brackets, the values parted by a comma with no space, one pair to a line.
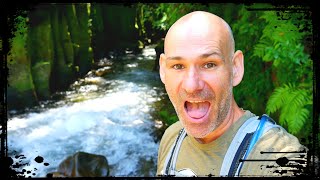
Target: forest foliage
[277,47]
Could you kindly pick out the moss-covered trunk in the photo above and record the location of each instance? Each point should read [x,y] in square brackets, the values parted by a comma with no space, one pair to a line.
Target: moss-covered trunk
[78,19]
[99,38]
[40,51]
[21,91]
[66,38]
[61,75]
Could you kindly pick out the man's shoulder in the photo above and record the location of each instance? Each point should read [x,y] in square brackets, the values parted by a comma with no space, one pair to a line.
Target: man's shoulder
[274,145]
[280,135]
[278,139]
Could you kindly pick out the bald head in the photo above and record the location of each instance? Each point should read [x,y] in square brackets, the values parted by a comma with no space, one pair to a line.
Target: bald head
[201,26]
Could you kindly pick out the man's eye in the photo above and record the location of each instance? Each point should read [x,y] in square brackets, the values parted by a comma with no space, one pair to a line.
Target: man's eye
[209,65]
[177,66]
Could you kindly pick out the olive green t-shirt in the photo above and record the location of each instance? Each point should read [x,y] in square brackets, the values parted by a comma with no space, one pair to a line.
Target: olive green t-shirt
[206,159]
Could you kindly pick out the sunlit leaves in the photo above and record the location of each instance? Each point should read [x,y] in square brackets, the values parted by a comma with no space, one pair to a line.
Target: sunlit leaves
[19,40]
[281,41]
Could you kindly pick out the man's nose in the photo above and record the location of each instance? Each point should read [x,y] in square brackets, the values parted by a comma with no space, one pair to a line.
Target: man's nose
[192,81]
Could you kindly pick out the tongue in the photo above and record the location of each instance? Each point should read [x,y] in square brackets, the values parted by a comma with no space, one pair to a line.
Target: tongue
[197,110]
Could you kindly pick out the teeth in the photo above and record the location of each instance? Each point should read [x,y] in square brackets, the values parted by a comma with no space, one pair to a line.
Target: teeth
[196,101]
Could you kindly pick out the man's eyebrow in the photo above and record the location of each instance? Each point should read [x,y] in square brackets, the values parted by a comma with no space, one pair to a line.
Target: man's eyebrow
[174,58]
[213,53]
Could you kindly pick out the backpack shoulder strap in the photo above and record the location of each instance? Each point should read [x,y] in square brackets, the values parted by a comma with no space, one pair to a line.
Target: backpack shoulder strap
[248,127]
[170,162]
[252,129]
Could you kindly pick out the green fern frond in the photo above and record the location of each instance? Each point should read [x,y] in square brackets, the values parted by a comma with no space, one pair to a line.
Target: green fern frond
[298,120]
[278,98]
[260,48]
[291,101]
[295,114]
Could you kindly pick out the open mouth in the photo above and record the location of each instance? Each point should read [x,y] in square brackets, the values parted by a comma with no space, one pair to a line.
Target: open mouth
[197,109]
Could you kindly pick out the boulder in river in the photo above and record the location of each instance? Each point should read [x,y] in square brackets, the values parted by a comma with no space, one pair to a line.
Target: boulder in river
[82,164]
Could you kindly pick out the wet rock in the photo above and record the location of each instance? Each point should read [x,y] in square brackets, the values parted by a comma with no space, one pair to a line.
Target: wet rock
[82,164]
[102,71]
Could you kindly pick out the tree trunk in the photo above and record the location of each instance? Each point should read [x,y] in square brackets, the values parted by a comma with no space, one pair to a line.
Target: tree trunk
[40,51]
[73,27]
[21,91]
[77,19]
[66,38]
[85,54]
[99,38]
[61,73]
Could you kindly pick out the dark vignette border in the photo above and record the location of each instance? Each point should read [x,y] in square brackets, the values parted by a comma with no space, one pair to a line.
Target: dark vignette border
[316,93]
[9,12]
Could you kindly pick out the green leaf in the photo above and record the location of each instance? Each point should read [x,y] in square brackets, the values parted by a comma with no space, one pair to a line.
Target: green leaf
[292,103]
[278,98]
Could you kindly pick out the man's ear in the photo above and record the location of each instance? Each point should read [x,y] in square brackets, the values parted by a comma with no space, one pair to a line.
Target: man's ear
[238,67]
[162,65]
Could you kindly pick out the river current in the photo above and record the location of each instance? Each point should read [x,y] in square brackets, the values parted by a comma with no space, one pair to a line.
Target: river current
[109,115]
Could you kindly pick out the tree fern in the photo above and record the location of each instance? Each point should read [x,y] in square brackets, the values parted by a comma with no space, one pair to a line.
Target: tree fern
[292,102]
[278,98]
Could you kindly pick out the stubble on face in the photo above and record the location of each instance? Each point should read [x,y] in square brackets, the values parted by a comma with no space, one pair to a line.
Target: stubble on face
[219,111]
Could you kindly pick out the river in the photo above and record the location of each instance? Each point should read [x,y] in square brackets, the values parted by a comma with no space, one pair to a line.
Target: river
[110,115]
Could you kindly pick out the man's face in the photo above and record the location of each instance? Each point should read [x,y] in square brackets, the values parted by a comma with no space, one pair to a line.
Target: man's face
[197,74]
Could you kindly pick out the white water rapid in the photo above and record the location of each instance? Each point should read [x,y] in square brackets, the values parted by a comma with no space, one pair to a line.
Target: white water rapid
[114,122]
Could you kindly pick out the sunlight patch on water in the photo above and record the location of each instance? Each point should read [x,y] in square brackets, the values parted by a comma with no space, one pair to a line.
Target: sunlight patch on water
[132,65]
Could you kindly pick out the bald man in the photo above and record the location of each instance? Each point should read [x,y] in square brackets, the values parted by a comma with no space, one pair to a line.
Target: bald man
[214,136]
